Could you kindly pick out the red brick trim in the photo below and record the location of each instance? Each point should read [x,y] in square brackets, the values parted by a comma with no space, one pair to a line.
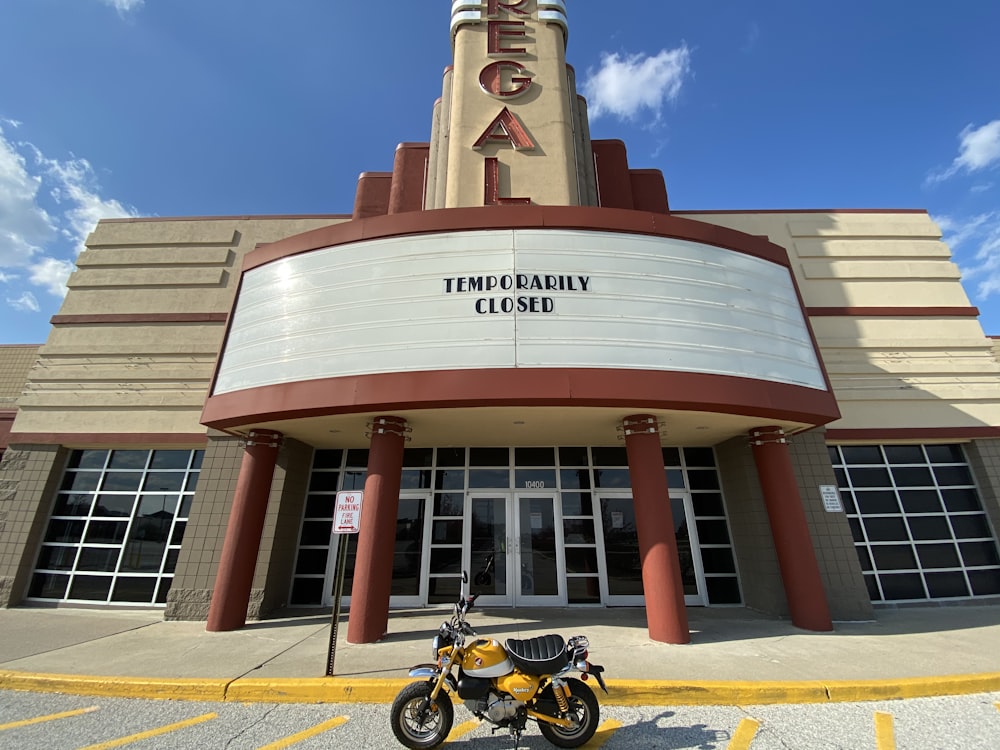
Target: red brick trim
[108,439]
[874,435]
[112,318]
[632,390]
[584,218]
[894,312]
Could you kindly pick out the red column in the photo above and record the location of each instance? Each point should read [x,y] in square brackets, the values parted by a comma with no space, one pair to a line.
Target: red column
[796,555]
[666,615]
[369,619]
[231,595]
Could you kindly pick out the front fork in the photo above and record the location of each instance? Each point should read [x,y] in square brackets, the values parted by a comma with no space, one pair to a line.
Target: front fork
[442,678]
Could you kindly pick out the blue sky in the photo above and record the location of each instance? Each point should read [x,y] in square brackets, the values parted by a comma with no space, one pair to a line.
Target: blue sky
[114,108]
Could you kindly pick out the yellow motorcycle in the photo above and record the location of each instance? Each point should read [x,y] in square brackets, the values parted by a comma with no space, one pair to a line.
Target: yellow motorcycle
[506,685]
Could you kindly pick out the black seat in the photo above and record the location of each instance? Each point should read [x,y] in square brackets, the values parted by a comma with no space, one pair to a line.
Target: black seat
[543,655]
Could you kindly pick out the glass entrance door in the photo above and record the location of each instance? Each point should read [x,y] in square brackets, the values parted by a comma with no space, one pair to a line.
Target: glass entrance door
[409,578]
[623,578]
[515,549]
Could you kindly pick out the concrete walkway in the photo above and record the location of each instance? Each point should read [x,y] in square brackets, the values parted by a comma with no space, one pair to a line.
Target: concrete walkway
[736,656]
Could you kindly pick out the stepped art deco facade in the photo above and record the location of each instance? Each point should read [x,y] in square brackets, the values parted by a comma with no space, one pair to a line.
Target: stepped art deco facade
[534,370]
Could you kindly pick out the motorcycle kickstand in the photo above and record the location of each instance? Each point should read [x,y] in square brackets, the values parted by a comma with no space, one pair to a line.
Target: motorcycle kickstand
[515,733]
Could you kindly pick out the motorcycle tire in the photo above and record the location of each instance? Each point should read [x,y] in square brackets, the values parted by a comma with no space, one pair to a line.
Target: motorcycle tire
[417,722]
[584,706]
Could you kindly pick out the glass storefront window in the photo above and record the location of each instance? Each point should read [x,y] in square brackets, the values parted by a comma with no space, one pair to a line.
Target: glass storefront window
[918,523]
[458,483]
[117,544]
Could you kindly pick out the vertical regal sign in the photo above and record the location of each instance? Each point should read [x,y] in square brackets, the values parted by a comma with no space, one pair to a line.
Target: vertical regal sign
[510,47]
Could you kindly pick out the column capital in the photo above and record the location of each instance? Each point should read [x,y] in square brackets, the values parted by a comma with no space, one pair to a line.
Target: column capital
[640,424]
[388,425]
[767,436]
[266,438]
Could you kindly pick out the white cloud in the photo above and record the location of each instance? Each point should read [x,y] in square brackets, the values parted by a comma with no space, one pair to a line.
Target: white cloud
[25,303]
[24,225]
[75,184]
[625,86]
[979,149]
[47,209]
[980,236]
[124,6]
[52,274]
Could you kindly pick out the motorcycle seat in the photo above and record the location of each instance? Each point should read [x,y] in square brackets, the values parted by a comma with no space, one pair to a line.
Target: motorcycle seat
[543,655]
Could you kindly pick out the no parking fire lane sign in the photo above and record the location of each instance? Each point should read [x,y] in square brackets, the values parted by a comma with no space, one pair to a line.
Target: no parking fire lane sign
[347,513]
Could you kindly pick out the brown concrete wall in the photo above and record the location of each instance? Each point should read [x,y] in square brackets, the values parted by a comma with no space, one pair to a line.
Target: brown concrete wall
[276,562]
[16,361]
[29,478]
[838,562]
[753,545]
[198,562]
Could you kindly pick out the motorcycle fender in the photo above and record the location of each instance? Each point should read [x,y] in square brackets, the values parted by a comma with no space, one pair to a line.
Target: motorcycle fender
[431,672]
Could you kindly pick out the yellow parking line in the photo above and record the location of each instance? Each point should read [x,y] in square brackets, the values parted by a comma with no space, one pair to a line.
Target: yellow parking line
[461,730]
[152,733]
[603,734]
[885,737]
[304,735]
[744,735]
[50,717]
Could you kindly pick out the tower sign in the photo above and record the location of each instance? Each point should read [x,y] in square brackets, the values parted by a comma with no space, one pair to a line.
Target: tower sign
[512,54]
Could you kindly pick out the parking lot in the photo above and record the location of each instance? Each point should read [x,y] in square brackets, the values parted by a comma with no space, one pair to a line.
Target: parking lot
[31,721]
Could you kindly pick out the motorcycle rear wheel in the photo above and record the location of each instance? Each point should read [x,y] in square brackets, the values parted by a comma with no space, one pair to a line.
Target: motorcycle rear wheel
[583,708]
[418,722]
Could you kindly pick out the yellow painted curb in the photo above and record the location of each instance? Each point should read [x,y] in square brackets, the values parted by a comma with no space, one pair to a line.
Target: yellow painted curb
[708,693]
[117,687]
[622,692]
[849,691]
[315,690]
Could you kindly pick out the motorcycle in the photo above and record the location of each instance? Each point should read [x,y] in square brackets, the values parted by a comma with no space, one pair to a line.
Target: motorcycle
[506,685]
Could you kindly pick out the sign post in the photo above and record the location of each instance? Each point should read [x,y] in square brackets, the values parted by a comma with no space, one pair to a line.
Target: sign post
[346,520]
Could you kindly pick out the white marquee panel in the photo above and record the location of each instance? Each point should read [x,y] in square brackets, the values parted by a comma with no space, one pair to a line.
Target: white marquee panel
[383,306]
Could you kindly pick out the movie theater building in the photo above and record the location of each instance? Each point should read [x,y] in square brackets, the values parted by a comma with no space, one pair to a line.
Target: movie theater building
[535,371]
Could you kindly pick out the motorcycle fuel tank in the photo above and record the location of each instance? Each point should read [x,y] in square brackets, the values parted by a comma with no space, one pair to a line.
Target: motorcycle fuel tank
[486,658]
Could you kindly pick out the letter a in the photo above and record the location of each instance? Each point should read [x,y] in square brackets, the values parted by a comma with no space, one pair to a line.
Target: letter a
[506,128]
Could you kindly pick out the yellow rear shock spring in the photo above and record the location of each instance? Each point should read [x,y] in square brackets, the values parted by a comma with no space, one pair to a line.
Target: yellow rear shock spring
[560,692]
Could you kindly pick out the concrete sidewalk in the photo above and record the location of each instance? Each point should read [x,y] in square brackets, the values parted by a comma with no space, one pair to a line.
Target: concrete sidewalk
[736,656]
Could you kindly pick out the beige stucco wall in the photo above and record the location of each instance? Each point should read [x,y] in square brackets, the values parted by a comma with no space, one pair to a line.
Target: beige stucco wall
[887,371]
[109,375]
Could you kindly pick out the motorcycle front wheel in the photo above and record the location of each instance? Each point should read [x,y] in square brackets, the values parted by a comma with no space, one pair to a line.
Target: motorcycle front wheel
[418,722]
[585,713]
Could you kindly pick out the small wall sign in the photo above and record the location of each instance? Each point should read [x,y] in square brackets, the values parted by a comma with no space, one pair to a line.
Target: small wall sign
[831,498]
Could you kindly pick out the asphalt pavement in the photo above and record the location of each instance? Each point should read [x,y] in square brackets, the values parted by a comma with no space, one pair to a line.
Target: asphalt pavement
[735,657]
